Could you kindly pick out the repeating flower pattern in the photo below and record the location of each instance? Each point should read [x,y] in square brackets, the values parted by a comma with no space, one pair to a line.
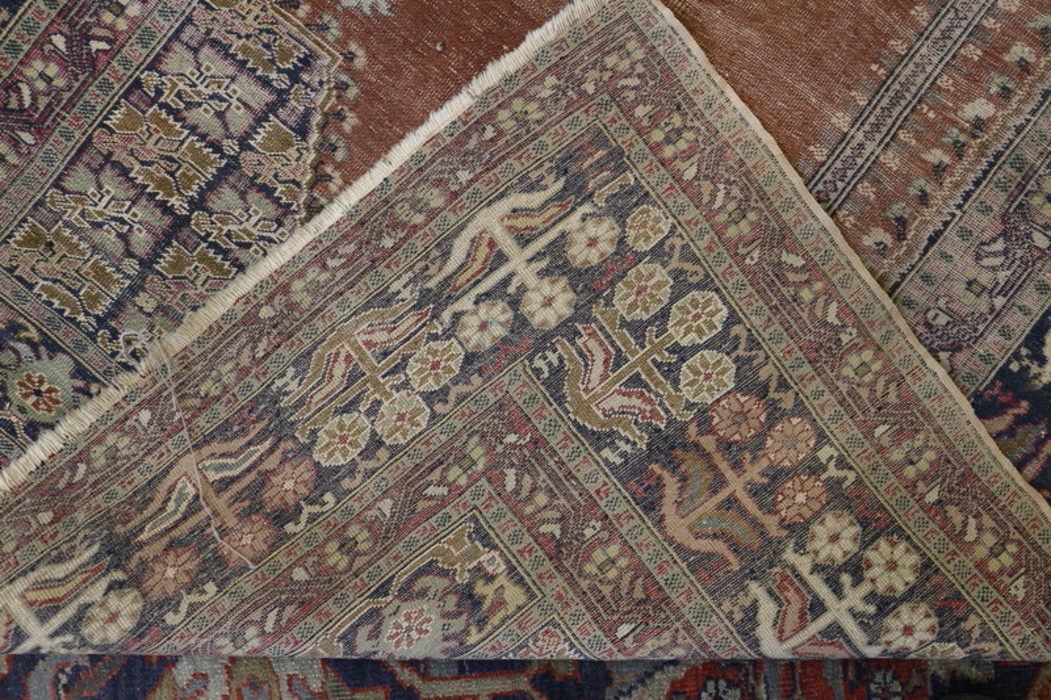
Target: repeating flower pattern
[110,619]
[401,418]
[697,317]
[170,572]
[289,483]
[593,241]
[645,226]
[642,292]
[790,441]
[549,303]
[251,538]
[801,498]
[341,439]
[737,417]
[482,327]
[748,457]
[435,364]
[891,566]
[706,376]
[908,628]
[833,538]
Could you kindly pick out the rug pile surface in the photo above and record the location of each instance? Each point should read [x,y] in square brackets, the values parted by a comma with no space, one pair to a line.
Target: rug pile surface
[581,368]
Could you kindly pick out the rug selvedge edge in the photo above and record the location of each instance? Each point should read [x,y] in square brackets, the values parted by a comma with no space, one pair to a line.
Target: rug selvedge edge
[877,291]
[156,357]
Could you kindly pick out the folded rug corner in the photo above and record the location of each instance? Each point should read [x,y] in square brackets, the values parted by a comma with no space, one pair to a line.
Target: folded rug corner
[580,370]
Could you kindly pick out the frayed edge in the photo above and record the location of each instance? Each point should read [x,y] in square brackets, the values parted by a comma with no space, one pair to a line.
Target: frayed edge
[80,420]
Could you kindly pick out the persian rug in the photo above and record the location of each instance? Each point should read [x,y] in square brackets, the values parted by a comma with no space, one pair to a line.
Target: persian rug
[580,370]
[929,128]
[927,137]
[34,677]
[150,151]
[84,286]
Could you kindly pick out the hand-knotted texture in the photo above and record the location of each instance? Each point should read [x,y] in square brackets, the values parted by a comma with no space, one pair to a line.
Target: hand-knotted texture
[232,137]
[589,374]
[402,59]
[926,128]
[149,151]
[928,136]
[34,677]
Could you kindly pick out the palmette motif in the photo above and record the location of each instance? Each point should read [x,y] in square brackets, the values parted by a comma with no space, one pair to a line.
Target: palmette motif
[587,375]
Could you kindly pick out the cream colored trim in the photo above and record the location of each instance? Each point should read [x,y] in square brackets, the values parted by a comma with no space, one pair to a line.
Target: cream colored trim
[75,423]
[195,323]
[878,292]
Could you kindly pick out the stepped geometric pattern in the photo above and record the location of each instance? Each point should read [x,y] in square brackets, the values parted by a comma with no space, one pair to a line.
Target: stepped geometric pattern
[148,153]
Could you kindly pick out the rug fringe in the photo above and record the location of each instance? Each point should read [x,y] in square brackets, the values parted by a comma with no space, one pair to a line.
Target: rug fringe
[72,425]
